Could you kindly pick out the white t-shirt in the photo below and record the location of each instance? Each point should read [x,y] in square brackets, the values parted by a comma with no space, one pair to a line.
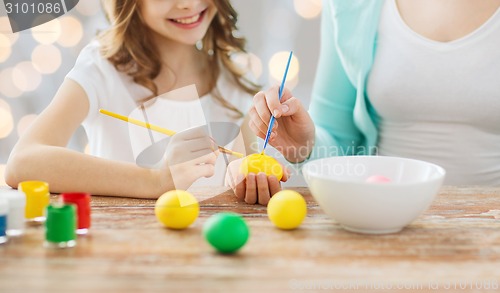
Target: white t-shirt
[439,102]
[115,91]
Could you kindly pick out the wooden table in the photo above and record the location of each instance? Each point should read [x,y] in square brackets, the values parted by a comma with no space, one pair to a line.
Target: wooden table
[453,247]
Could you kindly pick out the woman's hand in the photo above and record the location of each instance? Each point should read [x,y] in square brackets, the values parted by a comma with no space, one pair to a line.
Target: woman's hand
[254,188]
[293,130]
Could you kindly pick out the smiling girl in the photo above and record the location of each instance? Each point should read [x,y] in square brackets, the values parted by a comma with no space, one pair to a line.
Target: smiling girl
[151,48]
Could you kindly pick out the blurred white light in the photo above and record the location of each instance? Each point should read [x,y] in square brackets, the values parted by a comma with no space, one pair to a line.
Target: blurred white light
[24,123]
[6,30]
[26,77]
[307,8]
[7,87]
[4,105]
[2,175]
[290,84]
[6,123]
[5,48]
[48,32]
[72,31]
[88,7]
[46,59]
[249,62]
[277,66]
[255,65]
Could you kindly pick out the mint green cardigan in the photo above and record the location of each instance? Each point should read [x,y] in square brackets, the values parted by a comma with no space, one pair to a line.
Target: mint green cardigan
[346,124]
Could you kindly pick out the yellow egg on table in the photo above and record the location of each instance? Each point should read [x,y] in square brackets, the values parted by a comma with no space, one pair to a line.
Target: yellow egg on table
[287,209]
[257,163]
[177,209]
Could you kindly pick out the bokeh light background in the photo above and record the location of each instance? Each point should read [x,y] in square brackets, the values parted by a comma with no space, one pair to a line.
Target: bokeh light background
[33,63]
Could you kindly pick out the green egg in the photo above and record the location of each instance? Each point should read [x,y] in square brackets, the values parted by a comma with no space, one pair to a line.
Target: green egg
[226,232]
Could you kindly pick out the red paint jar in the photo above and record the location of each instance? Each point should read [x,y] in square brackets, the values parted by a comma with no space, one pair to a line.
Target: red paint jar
[82,202]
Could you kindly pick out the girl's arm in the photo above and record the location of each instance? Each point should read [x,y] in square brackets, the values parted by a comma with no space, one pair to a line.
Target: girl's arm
[41,154]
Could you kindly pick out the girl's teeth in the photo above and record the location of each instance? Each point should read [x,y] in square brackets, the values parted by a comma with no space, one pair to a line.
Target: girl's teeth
[188,20]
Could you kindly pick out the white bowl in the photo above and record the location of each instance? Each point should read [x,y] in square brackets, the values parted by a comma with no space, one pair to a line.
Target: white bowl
[339,186]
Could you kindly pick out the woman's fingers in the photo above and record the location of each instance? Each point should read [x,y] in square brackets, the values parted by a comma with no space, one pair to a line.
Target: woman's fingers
[256,130]
[240,188]
[274,104]
[290,107]
[286,174]
[263,189]
[261,106]
[256,124]
[274,185]
[251,189]
[257,188]
[236,180]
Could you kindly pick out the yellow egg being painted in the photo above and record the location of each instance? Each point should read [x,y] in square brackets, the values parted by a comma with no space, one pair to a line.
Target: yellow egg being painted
[257,163]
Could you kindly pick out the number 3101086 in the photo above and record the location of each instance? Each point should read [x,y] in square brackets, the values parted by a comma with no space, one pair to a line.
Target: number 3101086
[33,8]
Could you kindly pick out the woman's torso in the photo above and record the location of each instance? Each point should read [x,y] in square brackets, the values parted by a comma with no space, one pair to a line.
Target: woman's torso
[439,101]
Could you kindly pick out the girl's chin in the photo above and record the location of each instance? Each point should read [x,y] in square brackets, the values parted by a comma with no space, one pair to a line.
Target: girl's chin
[184,40]
[190,40]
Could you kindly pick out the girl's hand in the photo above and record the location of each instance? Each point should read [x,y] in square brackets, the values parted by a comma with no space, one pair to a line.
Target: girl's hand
[293,129]
[254,188]
[190,155]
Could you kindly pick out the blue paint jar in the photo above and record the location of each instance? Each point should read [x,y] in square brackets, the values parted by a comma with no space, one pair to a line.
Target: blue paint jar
[4,210]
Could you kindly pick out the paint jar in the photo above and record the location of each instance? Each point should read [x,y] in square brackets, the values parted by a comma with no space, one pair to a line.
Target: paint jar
[60,226]
[15,217]
[82,203]
[4,210]
[37,199]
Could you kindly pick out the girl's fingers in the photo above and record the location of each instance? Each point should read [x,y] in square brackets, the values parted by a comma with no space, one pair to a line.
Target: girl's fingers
[251,189]
[202,157]
[263,189]
[198,144]
[204,170]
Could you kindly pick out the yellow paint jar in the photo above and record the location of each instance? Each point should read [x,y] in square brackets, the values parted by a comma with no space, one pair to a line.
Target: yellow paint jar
[37,199]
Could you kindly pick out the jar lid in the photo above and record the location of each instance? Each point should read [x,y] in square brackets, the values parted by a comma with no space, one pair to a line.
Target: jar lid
[34,188]
[60,225]
[15,198]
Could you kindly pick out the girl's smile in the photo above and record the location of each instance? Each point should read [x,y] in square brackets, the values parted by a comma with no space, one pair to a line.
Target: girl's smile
[189,22]
[182,22]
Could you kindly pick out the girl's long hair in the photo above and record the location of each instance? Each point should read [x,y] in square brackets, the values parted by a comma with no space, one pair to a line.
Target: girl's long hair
[128,46]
